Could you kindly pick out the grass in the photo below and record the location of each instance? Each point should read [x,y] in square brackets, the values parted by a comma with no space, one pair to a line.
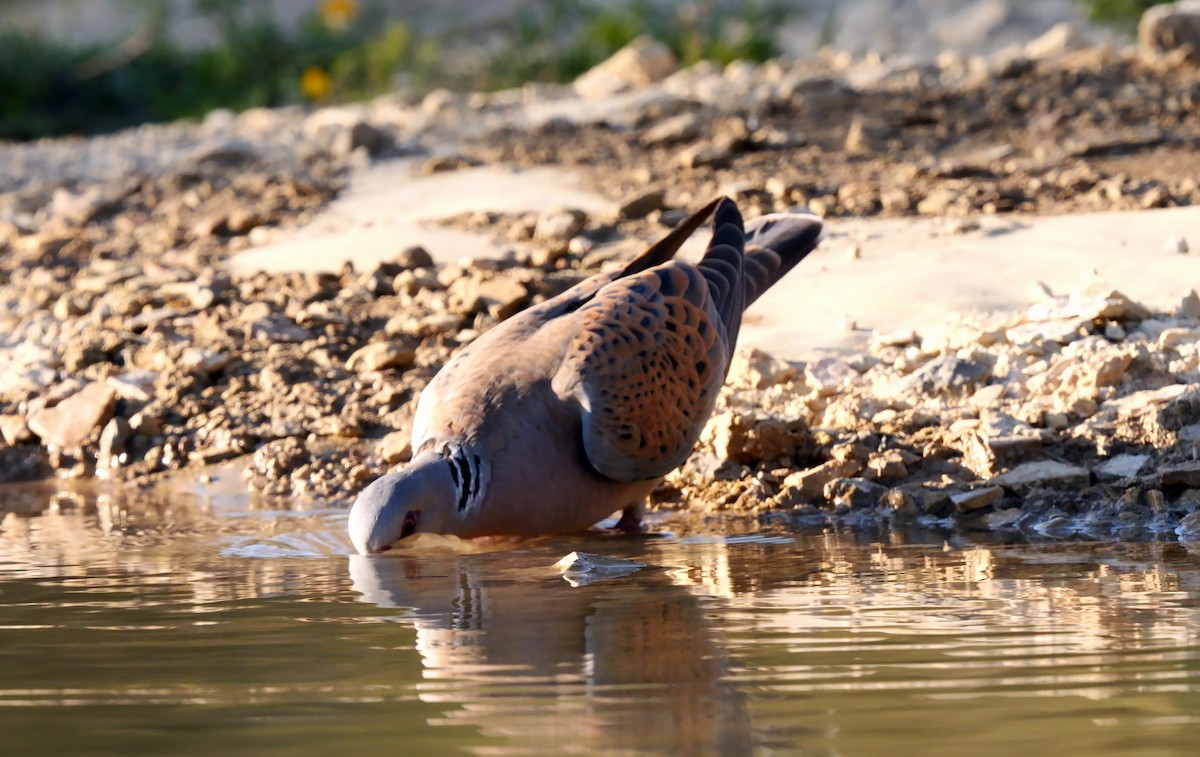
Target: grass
[342,52]
[1118,12]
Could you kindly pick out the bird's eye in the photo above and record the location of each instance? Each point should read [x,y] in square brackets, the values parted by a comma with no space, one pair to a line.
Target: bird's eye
[409,527]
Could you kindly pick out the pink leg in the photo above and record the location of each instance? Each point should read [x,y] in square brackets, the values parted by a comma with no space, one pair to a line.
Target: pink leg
[631,519]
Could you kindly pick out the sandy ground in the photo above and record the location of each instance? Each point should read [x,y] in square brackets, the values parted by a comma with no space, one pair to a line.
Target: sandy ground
[911,272]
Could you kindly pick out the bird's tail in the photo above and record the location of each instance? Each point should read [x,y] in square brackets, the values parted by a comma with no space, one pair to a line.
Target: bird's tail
[775,243]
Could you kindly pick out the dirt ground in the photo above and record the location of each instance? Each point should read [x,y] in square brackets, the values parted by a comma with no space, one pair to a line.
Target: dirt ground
[133,351]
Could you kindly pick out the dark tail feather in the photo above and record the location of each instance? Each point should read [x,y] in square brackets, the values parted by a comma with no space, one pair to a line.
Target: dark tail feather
[723,266]
[665,248]
[775,243]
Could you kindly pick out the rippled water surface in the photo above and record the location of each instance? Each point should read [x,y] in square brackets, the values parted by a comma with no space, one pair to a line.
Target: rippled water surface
[185,631]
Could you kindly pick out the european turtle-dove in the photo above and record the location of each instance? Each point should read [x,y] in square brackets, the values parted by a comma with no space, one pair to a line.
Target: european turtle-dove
[575,408]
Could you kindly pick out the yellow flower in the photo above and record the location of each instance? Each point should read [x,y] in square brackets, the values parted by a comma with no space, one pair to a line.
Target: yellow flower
[337,14]
[314,83]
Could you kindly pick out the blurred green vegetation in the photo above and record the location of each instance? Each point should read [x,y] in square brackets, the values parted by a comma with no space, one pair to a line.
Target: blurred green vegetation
[345,50]
[1119,12]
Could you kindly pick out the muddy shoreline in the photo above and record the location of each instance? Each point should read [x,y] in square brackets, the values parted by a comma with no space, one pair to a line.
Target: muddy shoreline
[132,351]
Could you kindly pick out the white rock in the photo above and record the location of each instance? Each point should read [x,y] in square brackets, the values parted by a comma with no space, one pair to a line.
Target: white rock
[379,356]
[1060,38]
[976,499]
[1043,473]
[1189,306]
[583,568]
[70,423]
[829,374]
[134,385]
[756,369]
[643,61]
[1171,28]
[1172,338]
[1122,466]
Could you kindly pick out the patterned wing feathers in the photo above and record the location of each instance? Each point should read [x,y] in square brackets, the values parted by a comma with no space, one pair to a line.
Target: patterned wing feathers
[646,367]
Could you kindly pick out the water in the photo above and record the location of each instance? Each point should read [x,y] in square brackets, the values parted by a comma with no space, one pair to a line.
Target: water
[183,629]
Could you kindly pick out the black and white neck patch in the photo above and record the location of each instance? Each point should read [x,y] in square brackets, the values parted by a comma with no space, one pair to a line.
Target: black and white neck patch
[470,476]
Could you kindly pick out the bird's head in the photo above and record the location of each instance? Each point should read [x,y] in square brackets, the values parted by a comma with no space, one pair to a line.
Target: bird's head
[420,498]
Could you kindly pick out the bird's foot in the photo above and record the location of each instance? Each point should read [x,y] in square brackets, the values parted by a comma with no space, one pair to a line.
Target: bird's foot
[631,521]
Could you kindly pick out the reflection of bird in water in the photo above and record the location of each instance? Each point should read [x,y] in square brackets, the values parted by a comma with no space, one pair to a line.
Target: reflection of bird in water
[631,664]
[576,407]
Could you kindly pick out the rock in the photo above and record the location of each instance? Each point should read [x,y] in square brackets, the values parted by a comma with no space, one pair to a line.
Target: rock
[1189,527]
[1189,306]
[1114,331]
[746,439]
[976,499]
[702,156]
[1185,474]
[887,466]
[583,568]
[895,200]
[414,256]
[854,493]
[1000,443]
[674,130]
[643,61]
[829,375]
[1149,416]
[502,297]
[1057,40]
[242,221]
[1121,467]
[137,386]
[448,162]
[272,327]
[275,460]
[642,204]
[1156,500]
[1056,330]
[559,225]
[203,362]
[222,153]
[1043,474]
[363,135]
[901,503]
[379,356]
[1006,518]
[811,483]
[947,375]
[1172,338]
[73,421]
[394,448]
[988,396]
[933,501]
[755,369]
[14,430]
[858,140]
[937,202]
[112,443]
[1106,304]
[1169,29]
[897,338]
[1177,244]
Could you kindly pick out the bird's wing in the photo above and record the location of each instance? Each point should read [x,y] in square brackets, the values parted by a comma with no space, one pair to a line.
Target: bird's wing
[515,352]
[650,355]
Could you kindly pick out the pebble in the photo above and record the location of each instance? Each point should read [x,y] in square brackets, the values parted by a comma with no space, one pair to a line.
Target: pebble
[380,356]
[976,499]
[73,421]
[1043,474]
[1177,244]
